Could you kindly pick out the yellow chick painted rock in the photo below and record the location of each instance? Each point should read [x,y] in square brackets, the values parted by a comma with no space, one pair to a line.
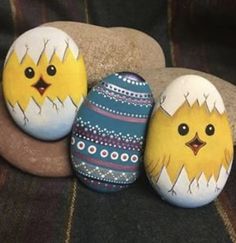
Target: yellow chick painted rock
[44,82]
[189,147]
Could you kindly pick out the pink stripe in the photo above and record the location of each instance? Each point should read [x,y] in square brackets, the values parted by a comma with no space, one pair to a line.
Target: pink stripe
[115,116]
[106,164]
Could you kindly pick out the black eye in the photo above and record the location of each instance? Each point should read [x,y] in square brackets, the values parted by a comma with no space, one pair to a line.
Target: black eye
[183,129]
[29,72]
[51,70]
[210,130]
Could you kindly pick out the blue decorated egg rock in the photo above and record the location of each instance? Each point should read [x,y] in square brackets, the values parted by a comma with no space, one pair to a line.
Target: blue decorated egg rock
[44,82]
[109,130]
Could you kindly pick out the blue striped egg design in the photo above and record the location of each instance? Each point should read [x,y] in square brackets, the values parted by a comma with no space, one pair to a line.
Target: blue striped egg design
[108,133]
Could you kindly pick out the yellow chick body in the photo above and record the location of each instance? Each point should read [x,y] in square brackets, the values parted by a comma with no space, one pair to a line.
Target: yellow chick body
[44,82]
[189,148]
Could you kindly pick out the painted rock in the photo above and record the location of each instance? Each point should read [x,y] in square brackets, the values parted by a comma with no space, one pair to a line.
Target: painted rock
[109,130]
[189,148]
[44,82]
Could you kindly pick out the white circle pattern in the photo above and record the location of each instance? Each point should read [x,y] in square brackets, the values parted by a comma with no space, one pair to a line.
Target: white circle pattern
[114,155]
[80,145]
[92,149]
[124,157]
[134,158]
[104,153]
[72,141]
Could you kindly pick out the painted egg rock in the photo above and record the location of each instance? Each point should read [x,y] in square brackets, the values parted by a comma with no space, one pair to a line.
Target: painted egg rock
[189,148]
[109,130]
[44,82]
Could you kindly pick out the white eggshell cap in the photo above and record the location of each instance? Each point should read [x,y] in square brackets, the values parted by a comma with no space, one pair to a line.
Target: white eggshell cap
[190,88]
[42,39]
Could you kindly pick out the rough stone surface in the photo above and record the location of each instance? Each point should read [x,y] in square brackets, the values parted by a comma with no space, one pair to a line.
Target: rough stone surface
[160,78]
[109,50]
[29,154]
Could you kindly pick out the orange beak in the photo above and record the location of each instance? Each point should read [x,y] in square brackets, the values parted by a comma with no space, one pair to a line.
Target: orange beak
[195,144]
[41,86]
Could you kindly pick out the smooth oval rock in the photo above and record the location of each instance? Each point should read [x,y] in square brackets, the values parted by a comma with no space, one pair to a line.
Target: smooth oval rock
[110,50]
[44,82]
[189,147]
[109,130]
